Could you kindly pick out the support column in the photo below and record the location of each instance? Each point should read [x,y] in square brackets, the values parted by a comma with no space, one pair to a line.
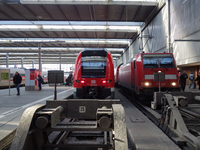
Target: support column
[32,64]
[41,66]
[60,61]
[7,60]
[39,56]
[169,46]
[15,65]
[22,62]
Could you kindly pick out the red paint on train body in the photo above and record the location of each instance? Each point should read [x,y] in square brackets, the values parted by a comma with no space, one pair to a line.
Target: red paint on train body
[138,74]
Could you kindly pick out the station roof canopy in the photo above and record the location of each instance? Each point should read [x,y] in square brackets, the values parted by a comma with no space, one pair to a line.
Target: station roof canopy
[61,25]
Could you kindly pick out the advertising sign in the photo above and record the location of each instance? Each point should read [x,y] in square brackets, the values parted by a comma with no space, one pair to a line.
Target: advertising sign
[4,74]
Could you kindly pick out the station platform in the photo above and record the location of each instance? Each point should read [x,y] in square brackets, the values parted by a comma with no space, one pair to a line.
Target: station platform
[143,133]
[187,89]
[13,106]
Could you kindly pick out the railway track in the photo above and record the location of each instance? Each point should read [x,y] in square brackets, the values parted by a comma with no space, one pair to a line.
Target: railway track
[181,124]
[144,108]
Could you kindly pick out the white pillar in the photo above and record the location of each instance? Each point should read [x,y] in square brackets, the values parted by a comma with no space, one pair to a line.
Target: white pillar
[32,64]
[22,62]
[39,54]
[7,60]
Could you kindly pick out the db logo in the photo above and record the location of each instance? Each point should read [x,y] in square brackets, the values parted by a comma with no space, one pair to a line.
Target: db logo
[93,81]
[82,109]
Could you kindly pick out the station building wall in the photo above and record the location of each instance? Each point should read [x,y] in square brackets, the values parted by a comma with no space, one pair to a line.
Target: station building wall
[184,25]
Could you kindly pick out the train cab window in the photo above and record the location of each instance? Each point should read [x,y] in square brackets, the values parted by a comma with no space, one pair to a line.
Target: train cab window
[158,61]
[93,66]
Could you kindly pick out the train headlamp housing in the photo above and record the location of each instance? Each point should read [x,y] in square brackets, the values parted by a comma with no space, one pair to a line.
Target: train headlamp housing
[173,83]
[82,81]
[108,81]
[147,84]
[104,81]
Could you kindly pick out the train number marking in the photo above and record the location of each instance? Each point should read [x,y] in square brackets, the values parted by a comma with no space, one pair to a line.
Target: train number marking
[82,109]
[93,81]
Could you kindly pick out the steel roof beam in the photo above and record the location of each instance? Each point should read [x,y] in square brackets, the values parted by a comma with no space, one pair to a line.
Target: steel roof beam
[36,57]
[43,62]
[43,59]
[45,55]
[66,41]
[81,23]
[74,28]
[54,50]
[93,2]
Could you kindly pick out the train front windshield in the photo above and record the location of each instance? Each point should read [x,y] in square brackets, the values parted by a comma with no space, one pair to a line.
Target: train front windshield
[158,61]
[93,66]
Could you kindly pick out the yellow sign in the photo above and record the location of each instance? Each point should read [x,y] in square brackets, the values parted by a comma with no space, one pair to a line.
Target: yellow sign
[4,74]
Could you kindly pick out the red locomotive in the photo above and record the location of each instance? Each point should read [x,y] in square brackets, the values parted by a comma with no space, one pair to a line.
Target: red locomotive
[139,74]
[94,74]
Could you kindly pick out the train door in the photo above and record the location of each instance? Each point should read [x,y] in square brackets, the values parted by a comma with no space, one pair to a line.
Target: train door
[133,67]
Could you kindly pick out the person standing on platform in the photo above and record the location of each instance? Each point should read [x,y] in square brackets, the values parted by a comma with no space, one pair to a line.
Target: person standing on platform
[198,79]
[17,79]
[183,78]
[40,81]
[191,78]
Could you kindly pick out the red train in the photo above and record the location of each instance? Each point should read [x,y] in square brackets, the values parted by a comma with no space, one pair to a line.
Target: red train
[94,74]
[138,74]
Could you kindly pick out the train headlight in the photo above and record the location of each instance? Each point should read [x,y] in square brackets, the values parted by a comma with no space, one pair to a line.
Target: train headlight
[104,81]
[82,81]
[173,83]
[147,84]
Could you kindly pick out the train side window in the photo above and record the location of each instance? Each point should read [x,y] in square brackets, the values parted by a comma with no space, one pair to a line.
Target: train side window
[134,64]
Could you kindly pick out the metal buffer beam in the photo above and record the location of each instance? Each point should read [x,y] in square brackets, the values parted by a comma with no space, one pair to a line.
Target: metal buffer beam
[174,125]
[107,118]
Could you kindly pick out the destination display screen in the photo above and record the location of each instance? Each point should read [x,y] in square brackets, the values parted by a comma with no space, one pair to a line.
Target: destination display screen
[158,61]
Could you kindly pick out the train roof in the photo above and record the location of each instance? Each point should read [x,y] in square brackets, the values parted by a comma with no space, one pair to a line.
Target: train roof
[94,53]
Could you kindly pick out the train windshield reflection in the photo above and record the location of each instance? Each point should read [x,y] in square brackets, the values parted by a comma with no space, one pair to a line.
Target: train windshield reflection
[93,66]
[158,61]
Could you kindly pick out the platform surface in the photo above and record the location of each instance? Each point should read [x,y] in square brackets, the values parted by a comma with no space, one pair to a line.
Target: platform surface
[143,133]
[12,107]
